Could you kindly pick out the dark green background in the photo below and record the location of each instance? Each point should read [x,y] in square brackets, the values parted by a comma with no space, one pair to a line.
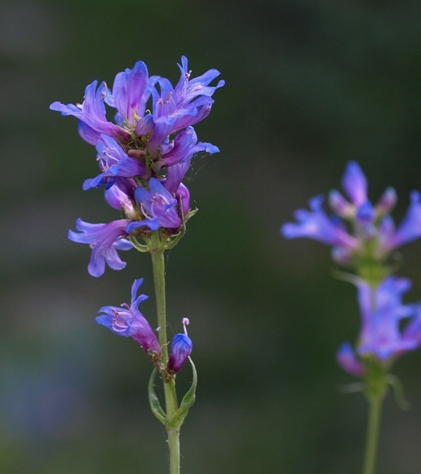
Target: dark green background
[309,86]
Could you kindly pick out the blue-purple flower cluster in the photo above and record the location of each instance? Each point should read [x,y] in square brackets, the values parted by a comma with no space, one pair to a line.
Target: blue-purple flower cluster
[363,236]
[382,316]
[128,321]
[373,235]
[143,155]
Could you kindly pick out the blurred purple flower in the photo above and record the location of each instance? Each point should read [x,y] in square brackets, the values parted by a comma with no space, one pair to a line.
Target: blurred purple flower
[370,223]
[381,314]
[318,226]
[408,230]
[130,322]
[348,360]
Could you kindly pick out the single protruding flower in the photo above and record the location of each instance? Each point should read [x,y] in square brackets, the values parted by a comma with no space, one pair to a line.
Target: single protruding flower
[318,226]
[130,322]
[185,146]
[355,183]
[105,240]
[387,202]
[92,121]
[181,348]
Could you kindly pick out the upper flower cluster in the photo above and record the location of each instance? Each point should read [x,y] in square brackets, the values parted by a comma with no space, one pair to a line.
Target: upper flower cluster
[381,336]
[143,155]
[358,230]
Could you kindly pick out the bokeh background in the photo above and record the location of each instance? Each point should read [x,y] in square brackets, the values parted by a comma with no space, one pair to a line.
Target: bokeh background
[309,86]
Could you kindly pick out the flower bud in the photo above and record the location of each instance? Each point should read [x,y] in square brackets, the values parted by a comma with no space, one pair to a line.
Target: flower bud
[181,347]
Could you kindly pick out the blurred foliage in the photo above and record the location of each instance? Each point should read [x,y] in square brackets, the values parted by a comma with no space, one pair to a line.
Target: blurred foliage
[309,85]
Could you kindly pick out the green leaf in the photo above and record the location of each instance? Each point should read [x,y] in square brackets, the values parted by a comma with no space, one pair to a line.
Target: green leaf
[352,387]
[187,401]
[397,387]
[154,401]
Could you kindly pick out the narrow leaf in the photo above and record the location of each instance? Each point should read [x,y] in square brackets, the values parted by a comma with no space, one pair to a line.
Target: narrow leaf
[187,401]
[154,401]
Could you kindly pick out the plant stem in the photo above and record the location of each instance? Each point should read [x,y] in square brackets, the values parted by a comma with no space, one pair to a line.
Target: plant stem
[171,403]
[375,404]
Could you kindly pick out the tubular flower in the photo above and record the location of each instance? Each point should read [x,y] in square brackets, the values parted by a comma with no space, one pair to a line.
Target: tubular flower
[318,226]
[185,146]
[159,208]
[113,162]
[409,229]
[92,122]
[105,240]
[128,321]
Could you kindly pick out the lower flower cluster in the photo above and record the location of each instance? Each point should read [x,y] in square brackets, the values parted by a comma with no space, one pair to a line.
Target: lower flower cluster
[128,321]
[382,316]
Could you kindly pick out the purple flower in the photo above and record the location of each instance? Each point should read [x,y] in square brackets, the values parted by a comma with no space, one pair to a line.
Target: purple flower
[175,109]
[412,331]
[318,226]
[130,322]
[355,183]
[131,91]
[91,115]
[172,109]
[159,208]
[183,195]
[181,348]
[113,162]
[409,229]
[349,362]
[188,90]
[185,146]
[381,314]
[105,240]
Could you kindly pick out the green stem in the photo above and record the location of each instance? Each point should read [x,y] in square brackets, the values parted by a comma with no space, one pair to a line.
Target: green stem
[372,433]
[171,403]
[376,389]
